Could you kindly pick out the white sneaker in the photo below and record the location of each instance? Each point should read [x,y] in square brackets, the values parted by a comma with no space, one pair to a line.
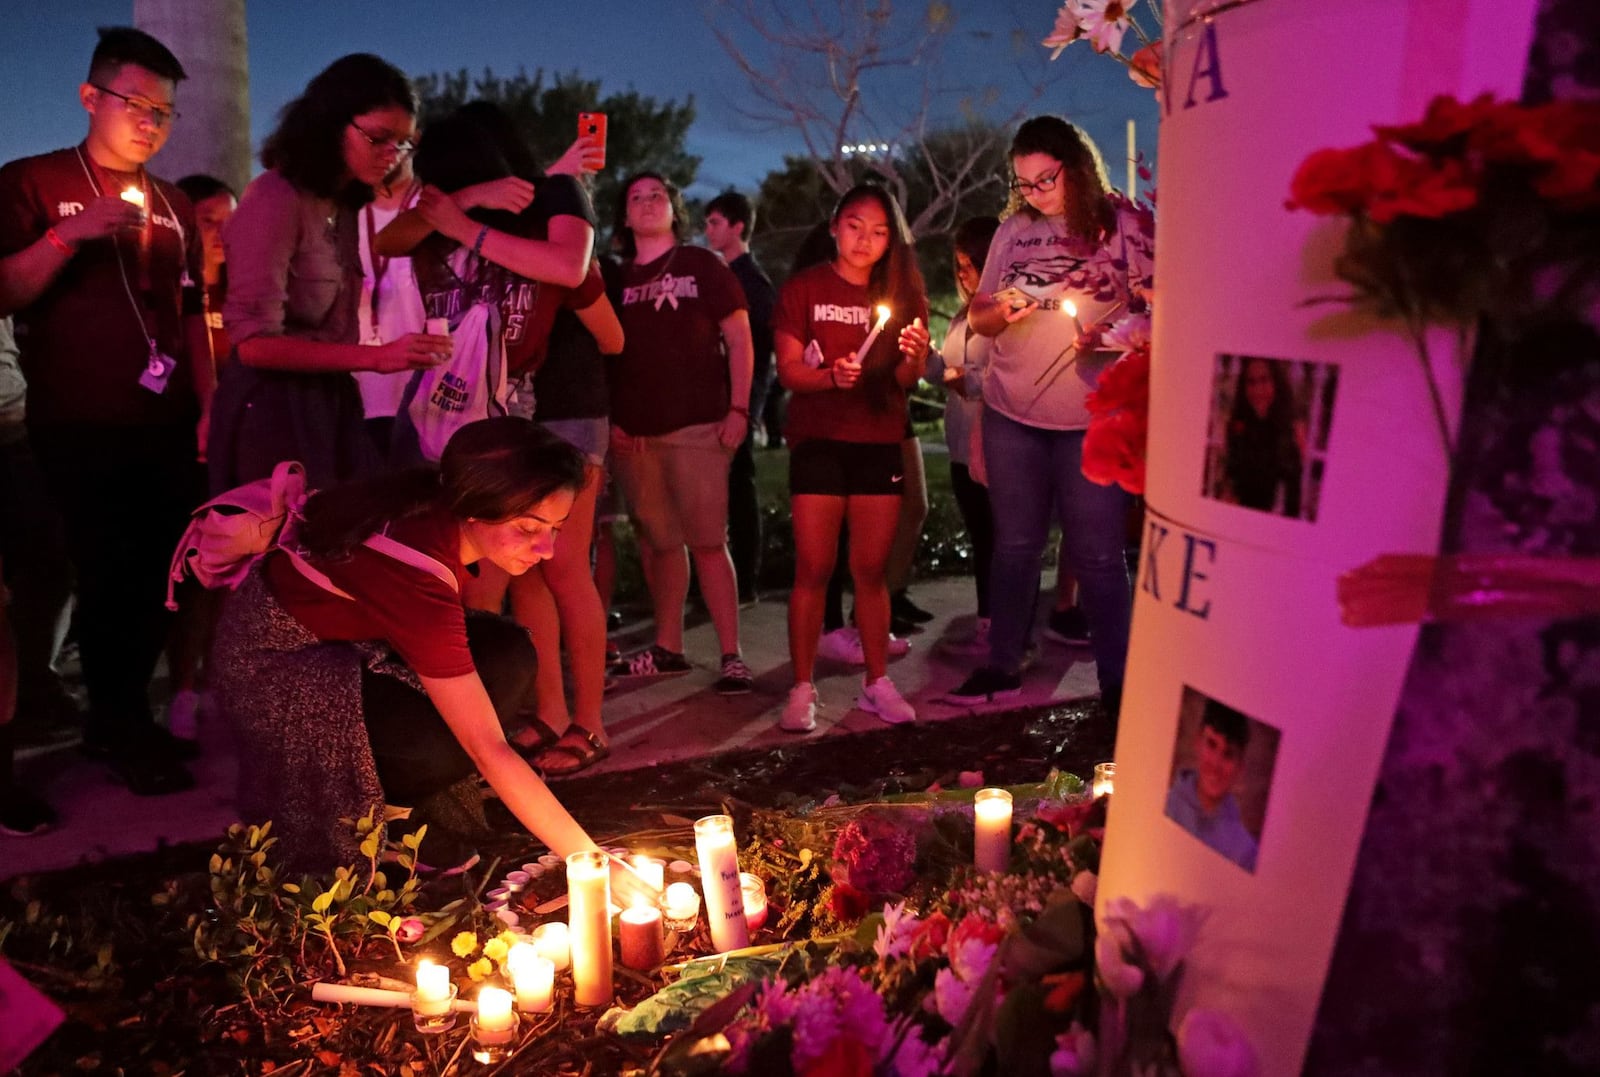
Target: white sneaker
[842,645]
[800,712]
[882,698]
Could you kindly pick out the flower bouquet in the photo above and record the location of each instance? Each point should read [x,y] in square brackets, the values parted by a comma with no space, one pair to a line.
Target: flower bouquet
[1104,23]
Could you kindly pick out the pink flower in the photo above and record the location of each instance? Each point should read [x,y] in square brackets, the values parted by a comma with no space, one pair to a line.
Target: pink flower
[1066,30]
[1120,978]
[1103,22]
[1164,930]
[1211,1044]
[410,930]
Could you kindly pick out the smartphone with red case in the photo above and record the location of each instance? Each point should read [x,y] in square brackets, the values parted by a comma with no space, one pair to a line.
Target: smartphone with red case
[592,132]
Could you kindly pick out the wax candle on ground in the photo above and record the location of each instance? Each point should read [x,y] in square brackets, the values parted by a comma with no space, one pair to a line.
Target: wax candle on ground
[755,899]
[433,988]
[494,1010]
[532,977]
[589,921]
[719,876]
[992,829]
[553,942]
[642,942]
[682,902]
[1105,775]
[651,869]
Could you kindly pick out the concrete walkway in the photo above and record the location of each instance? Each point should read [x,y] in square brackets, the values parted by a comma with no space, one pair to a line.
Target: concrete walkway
[651,722]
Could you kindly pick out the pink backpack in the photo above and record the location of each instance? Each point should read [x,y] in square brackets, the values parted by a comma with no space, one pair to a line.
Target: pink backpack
[234,530]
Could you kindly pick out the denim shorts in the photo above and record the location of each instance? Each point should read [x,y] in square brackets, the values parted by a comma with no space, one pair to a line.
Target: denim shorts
[592,437]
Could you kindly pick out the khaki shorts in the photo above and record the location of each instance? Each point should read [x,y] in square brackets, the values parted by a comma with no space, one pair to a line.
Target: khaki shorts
[677,487]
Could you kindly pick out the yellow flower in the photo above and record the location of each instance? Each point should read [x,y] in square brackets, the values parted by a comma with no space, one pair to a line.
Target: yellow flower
[495,950]
[464,943]
[480,969]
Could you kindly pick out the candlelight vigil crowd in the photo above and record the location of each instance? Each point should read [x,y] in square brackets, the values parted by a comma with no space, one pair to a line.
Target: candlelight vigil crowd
[451,373]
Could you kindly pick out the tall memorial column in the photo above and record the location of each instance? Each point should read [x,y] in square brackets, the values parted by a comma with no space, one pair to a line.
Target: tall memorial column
[1291,441]
[209,39]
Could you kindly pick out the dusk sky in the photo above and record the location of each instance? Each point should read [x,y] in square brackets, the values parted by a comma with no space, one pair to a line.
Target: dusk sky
[665,50]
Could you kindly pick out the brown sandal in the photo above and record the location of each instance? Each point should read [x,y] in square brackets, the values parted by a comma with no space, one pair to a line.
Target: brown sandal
[583,755]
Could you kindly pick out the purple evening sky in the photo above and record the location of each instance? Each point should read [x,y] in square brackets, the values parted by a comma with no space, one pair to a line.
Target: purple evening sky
[665,50]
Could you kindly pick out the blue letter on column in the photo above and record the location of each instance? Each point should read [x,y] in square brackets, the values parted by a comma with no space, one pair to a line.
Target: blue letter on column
[1190,574]
[1206,53]
[1152,547]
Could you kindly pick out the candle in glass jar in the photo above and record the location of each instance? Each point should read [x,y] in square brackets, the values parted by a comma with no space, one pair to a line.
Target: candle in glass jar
[494,1010]
[872,338]
[719,877]
[552,942]
[642,941]
[532,977]
[755,899]
[433,988]
[1105,775]
[651,869]
[589,924]
[991,809]
[682,902]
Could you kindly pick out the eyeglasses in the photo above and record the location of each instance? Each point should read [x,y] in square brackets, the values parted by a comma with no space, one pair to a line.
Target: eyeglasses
[401,146]
[141,110]
[1041,185]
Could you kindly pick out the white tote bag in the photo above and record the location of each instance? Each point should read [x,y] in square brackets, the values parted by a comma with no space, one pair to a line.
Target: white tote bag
[471,386]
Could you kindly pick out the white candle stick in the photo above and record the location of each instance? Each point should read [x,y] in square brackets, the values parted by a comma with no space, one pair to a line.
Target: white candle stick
[991,809]
[719,877]
[345,994]
[1071,310]
[589,920]
[872,337]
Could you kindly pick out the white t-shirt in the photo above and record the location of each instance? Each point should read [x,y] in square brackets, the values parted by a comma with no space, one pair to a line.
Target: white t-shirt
[399,312]
[1028,377]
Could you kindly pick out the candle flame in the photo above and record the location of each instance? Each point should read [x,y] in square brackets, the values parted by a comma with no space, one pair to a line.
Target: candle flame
[883,315]
[1069,308]
[133,196]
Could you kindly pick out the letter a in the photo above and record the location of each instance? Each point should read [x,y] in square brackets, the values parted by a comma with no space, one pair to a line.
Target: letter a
[1206,52]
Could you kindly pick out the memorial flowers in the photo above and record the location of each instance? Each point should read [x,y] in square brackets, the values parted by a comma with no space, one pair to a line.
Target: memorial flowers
[1105,24]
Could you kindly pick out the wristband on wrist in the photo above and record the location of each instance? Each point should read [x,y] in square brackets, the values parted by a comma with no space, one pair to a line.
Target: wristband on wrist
[58,243]
[477,245]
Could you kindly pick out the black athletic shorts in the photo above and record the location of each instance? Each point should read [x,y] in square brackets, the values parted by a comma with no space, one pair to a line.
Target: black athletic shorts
[846,468]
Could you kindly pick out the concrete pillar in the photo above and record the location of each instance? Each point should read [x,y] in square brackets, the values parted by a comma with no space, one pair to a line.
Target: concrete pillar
[208,37]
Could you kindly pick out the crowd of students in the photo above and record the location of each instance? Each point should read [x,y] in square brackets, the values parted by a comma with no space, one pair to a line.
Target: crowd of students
[197,340]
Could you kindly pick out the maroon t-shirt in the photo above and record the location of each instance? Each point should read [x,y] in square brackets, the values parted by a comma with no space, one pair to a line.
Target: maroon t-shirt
[673,370]
[410,608]
[86,340]
[818,305]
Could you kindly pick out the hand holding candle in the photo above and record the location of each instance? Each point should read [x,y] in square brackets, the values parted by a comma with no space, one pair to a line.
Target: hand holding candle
[872,337]
[915,341]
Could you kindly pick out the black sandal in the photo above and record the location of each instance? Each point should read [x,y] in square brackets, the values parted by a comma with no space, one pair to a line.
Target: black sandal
[584,754]
[540,745]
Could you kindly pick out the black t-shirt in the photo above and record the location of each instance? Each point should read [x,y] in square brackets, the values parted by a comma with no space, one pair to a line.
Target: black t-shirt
[762,300]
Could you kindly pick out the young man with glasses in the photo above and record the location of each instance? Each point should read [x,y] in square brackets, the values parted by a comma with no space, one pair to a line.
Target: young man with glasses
[100,263]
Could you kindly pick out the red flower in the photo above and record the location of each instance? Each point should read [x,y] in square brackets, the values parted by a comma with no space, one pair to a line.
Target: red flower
[846,903]
[1065,987]
[1114,450]
[1446,119]
[846,1056]
[1123,384]
[973,926]
[930,937]
[1144,66]
[1066,817]
[1343,181]
[1424,190]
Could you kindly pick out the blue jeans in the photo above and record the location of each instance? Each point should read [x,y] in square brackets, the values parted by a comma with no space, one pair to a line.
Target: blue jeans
[1032,470]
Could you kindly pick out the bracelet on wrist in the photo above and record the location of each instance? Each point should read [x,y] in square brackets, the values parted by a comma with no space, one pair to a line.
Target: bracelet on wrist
[58,243]
[477,245]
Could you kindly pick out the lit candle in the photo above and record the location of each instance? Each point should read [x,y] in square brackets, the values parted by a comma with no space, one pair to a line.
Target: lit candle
[683,904]
[719,877]
[642,941]
[494,1010]
[551,942]
[532,977]
[1071,310]
[992,829]
[651,869]
[755,899]
[872,337]
[589,921]
[133,196]
[1105,775]
[439,327]
[433,989]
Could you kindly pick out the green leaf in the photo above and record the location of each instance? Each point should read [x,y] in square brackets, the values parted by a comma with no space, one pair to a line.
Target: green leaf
[866,933]
[322,901]
[379,917]
[291,888]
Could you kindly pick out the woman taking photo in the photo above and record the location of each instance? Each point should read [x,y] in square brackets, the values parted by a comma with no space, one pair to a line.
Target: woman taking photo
[675,422]
[355,673]
[1068,238]
[847,418]
[294,282]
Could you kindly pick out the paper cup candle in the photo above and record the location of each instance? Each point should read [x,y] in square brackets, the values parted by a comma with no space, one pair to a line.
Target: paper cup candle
[589,918]
[719,877]
[872,337]
[992,835]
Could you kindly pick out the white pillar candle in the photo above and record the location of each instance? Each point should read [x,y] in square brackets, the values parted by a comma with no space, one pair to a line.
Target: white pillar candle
[755,899]
[494,1010]
[872,338]
[589,921]
[552,942]
[719,877]
[133,196]
[651,869]
[1105,775]
[991,809]
[437,327]
[433,989]
[642,942]
[532,977]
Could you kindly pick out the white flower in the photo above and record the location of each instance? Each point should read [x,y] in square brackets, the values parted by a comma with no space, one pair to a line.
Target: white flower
[896,933]
[1130,333]
[1121,979]
[1211,1044]
[1164,930]
[951,995]
[1102,21]
[1074,1053]
[1084,885]
[971,959]
[1066,30]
